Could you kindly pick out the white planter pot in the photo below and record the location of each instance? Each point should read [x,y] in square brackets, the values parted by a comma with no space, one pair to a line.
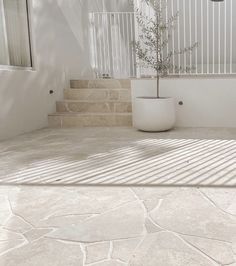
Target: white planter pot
[154,114]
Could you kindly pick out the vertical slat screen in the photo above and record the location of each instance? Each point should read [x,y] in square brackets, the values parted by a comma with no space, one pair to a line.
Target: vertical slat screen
[210,24]
[113,35]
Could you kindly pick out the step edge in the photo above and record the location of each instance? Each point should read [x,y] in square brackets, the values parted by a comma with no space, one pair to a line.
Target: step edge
[100,88]
[92,88]
[90,101]
[90,114]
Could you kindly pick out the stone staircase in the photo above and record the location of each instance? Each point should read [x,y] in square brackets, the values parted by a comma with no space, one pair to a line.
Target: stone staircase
[94,103]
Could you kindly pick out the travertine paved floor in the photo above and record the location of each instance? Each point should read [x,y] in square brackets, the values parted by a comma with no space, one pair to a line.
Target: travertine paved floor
[48,218]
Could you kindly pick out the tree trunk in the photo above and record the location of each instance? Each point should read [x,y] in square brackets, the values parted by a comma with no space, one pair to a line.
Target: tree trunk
[157,50]
[158,86]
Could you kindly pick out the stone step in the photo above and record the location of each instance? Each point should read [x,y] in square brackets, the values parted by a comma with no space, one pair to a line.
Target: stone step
[101,83]
[63,120]
[98,95]
[93,107]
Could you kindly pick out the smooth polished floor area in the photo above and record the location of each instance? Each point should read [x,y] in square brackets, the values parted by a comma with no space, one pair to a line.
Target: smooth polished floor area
[116,196]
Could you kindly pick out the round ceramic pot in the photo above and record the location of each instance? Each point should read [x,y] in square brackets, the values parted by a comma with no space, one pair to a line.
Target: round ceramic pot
[154,114]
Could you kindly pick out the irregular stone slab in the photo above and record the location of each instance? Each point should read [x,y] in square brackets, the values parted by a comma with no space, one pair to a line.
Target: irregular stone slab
[44,252]
[151,227]
[152,203]
[17,224]
[224,198]
[64,220]
[6,246]
[234,246]
[97,252]
[146,193]
[124,222]
[123,249]
[109,263]
[186,211]
[6,235]
[35,234]
[217,250]
[5,211]
[165,248]
[30,202]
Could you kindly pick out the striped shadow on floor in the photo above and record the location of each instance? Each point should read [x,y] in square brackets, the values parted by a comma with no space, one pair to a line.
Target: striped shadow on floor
[162,162]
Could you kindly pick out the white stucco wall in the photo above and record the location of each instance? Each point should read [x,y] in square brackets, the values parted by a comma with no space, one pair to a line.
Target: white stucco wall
[207,102]
[24,95]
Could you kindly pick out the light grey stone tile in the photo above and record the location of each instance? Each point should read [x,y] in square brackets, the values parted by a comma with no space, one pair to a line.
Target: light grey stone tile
[36,233]
[7,246]
[124,222]
[217,250]
[44,252]
[63,220]
[225,199]
[5,211]
[109,263]
[97,252]
[167,249]
[17,224]
[234,246]
[152,193]
[186,211]
[6,235]
[151,227]
[30,203]
[123,249]
[152,203]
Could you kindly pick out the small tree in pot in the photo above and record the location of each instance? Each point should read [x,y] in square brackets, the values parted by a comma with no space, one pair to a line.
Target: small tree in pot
[156,113]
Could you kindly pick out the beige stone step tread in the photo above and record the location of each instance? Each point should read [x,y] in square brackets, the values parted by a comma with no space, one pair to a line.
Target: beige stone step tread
[110,78]
[93,107]
[100,83]
[99,95]
[124,81]
[97,89]
[63,120]
[93,101]
[89,114]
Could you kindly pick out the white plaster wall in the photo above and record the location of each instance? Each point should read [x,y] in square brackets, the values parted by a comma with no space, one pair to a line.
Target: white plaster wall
[207,102]
[24,95]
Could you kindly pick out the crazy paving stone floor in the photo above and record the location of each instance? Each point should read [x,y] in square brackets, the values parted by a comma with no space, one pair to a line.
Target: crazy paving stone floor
[113,197]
